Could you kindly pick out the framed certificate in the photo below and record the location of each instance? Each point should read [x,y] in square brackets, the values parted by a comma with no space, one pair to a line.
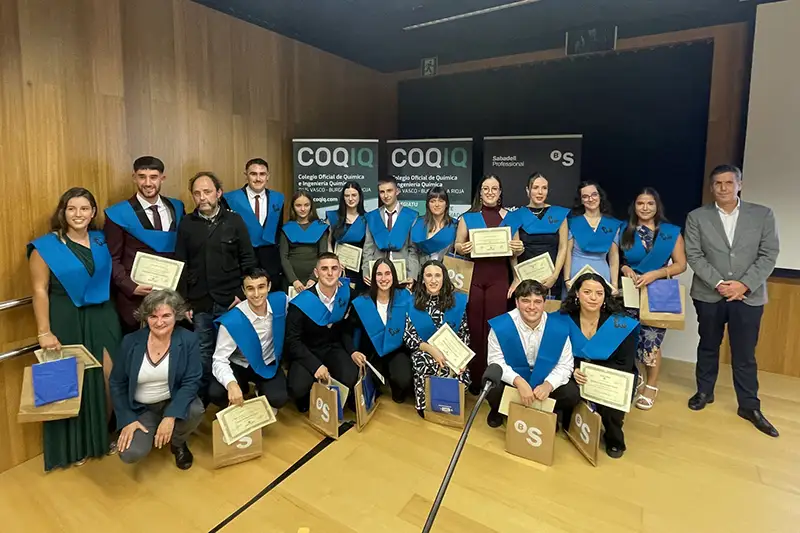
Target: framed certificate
[349,256]
[78,351]
[237,422]
[585,270]
[399,266]
[291,292]
[490,242]
[606,386]
[158,272]
[456,353]
[538,268]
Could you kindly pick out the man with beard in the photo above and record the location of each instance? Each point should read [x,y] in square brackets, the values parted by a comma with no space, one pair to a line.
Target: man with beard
[146,222]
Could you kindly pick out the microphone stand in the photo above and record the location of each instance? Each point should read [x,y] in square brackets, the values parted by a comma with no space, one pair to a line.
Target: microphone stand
[456,454]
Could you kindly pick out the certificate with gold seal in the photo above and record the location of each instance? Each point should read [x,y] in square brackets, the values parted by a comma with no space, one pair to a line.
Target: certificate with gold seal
[237,422]
[490,242]
[537,268]
[349,256]
[456,353]
[156,271]
[606,386]
[399,266]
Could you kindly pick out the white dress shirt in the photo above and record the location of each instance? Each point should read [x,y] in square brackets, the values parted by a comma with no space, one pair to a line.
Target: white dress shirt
[227,353]
[385,217]
[383,310]
[262,203]
[729,220]
[327,302]
[152,385]
[166,216]
[531,341]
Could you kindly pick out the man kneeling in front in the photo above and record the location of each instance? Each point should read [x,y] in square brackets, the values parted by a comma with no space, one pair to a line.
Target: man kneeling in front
[533,349]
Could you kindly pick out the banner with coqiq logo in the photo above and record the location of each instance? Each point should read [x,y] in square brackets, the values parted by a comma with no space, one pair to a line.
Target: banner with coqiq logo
[514,159]
[323,166]
[419,165]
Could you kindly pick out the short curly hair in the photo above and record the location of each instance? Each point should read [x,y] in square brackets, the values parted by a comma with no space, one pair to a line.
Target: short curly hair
[156,299]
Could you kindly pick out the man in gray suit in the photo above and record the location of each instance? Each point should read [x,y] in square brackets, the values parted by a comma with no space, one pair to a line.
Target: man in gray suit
[389,232]
[732,246]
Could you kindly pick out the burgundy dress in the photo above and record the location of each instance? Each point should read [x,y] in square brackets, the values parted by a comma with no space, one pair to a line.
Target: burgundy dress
[487,298]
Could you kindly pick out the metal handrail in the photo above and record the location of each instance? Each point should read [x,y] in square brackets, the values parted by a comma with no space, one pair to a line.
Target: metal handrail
[19,351]
[10,304]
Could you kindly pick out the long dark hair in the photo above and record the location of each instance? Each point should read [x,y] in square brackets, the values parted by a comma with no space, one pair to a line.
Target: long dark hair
[447,297]
[312,213]
[433,193]
[605,205]
[373,288]
[571,306]
[476,200]
[58,222]
[633,220]
[339,230]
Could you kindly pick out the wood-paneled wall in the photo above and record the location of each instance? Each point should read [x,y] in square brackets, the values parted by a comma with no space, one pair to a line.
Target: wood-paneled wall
[86,86]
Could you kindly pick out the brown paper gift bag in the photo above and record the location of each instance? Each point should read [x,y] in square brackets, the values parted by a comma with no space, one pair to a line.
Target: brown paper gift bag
[661,320]
[364,412]
[551,306]
[456,421]
[460,272]
[531,434]
[584,431]
[246,448]
[323,411]
[28,412]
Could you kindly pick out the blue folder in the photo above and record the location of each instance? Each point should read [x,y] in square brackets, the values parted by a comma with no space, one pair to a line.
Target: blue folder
[664,296]
[445,395]
[55,381]
[339,406]
[368,389]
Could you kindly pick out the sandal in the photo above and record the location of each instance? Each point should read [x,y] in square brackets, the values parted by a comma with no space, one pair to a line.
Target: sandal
[643,402]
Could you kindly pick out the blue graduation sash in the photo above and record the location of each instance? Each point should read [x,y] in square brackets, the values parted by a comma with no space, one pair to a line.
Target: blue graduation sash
[423,322]
[389,337]
[548,224]
[607,339]
[474,220]
[640,260]
[438,242]
[592,241]
[309,303]
[355,233]
[259,236]
[311,235]
[68,269]
[123,215]
[395,240]
[246,338]
[556,332]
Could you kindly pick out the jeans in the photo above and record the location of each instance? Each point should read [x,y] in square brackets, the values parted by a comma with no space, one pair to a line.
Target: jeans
[207,335]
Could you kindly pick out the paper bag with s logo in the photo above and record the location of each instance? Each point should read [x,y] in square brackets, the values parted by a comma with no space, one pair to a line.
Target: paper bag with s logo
[246,448]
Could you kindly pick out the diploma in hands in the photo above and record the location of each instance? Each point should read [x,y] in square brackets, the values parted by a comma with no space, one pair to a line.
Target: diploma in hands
[78,351]
[606,386]
[349,256]
[538,268]
[237,422]
[490,242]
[155,271]
[456,353]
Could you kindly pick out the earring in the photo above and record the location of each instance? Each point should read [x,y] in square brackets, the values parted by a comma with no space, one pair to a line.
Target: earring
[604,305]
[577,302]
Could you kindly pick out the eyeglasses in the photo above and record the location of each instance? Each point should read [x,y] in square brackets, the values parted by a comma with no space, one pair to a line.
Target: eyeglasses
[590,196]
[490,189]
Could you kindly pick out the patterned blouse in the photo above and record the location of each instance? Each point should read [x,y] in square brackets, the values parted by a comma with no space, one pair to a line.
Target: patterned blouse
[412,338]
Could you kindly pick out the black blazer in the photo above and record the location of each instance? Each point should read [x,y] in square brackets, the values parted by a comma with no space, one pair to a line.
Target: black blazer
[185,372]
[307,343]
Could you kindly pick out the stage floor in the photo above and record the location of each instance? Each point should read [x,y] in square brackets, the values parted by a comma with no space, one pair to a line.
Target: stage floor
[683,472]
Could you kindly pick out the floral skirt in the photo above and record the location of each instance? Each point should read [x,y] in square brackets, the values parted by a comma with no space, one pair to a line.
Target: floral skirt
[425,366]
[650,340]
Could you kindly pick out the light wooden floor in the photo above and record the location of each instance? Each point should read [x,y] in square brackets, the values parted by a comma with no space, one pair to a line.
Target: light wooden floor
[684,472]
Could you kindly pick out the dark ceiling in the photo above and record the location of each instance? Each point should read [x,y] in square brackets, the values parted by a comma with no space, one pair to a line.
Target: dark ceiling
[371,32]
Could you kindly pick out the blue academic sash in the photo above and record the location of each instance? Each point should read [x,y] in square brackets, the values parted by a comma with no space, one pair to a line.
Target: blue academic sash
[123,215]
[309,303]
[641,260]
[556,332]
[246,338]
[259,236]
[388,337]
[607,339]
[592,241]
[355,233]
[547,225]
[423,322]
[395,240]
[474,220]
[68,269]
[311,235]
[438,242]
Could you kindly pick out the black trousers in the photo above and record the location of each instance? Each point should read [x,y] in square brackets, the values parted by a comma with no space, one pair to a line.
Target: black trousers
[612,421]
[340,365]
[396,368]
[743,323]
[274,389]
[566,396]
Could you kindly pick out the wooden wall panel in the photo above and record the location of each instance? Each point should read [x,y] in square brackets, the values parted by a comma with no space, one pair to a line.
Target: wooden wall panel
[86,86]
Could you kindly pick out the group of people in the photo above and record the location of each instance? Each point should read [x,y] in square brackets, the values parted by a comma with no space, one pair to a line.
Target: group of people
[231,322]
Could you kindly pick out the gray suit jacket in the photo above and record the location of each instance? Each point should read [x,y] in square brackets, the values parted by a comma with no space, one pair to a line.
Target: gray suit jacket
[408,252]
[750,259]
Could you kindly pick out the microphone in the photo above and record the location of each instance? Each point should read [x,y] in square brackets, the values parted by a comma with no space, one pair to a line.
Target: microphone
[491,378]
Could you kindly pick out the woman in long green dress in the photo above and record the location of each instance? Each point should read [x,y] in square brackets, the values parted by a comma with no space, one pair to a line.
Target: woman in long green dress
[71,275]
